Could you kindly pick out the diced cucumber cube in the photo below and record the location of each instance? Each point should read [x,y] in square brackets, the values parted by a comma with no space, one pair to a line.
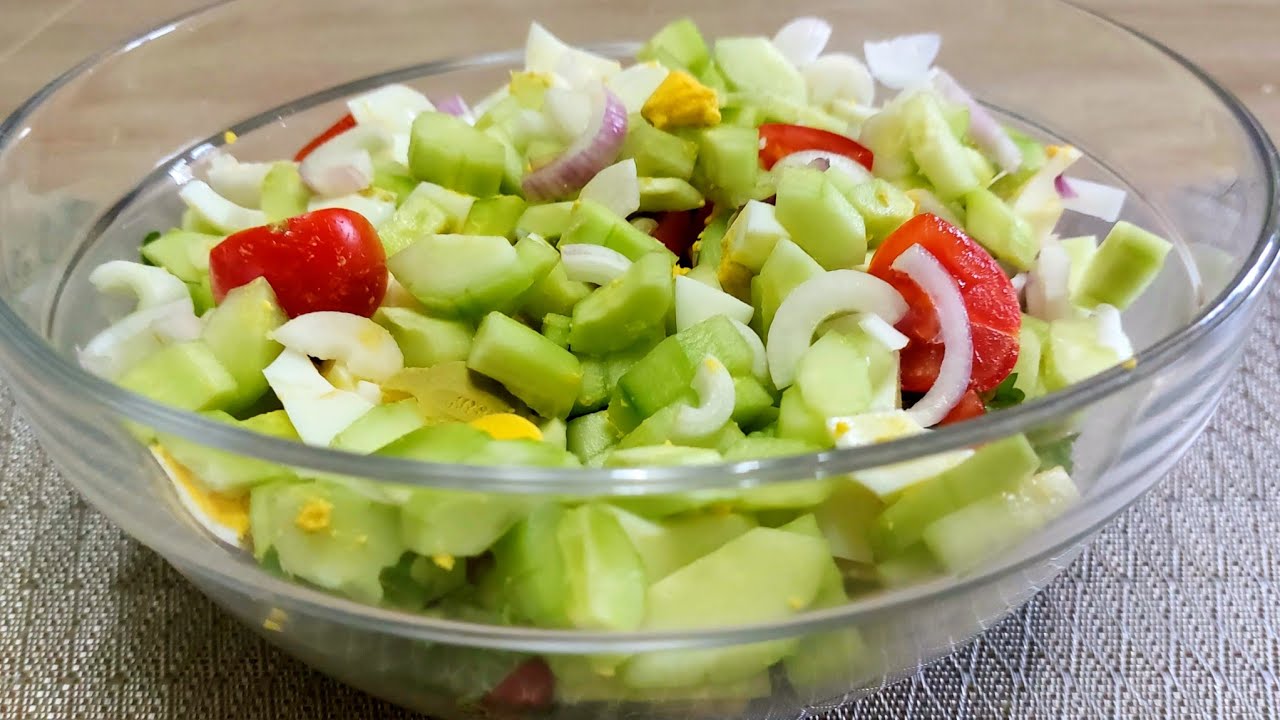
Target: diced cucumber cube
[941,156]
[184,254]
[186,375]
[465,275]
[381,426]
[820,219]
[1080,250]
[754,65]
[763,575]
[662,194]
[544,375]
[447,151]
[549,220]
[636,303]
[606,578]
[229,473]
[553,294]
[993,468]
[752,402]
[669,545]
[1125,265]
[497,215]
[787,267]
[883,207]
[658,153]
[728,163]
[556,328]
[417,217]
[1073,352]
[425,341]
[595,224]
[326,535]
[530,569]
[284,195]
[678,42]
[393,177]
[998,229]
[591,435]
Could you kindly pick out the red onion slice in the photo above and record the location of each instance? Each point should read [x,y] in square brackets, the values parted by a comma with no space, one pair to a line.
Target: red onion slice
[454,105]
[956,371]
[588,155]
[1063,186]
[985,131]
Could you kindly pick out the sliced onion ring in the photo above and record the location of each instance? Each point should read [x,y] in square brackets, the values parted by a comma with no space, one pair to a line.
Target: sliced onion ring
[956,371]
[344,165]
[454,105]
[834,161]
[1063,186]
[759,361]
[986,133]
[810,304]
[714,387]
[595,264]
[594,150]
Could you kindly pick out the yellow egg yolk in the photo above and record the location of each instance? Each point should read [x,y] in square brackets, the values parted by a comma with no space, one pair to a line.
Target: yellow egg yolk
[507,426]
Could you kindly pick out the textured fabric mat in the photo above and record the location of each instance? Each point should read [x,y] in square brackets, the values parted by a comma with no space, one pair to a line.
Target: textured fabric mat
[1172,613]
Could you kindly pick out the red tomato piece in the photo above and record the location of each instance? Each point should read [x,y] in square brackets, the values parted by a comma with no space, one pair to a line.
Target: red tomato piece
[678,230]
[969,407]
[327,259]
[345,123]
[995,316]
[778,140]
[531,686]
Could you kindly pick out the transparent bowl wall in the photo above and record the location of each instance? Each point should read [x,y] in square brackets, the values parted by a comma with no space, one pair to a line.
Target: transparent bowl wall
[91,163]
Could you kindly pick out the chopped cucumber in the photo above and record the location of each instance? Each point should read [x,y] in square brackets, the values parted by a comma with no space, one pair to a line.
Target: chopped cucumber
[238,332]
[594,224]
[1001,231]
[425,341]
[542,374]
[1126,263]
[658,153]
[820,219]
[636,303]
[186,375]
[447,151]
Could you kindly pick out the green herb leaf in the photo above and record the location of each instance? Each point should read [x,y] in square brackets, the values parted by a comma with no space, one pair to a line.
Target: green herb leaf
[1057,453]
[1006,395]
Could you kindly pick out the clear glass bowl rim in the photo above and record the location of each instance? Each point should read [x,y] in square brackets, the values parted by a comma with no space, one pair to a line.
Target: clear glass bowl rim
[58,370]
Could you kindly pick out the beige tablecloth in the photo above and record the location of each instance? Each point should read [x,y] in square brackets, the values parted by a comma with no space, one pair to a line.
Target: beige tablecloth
[1172,612]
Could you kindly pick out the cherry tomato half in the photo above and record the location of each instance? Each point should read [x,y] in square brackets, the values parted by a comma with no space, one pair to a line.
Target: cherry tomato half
[994,313]
[970,406]
[345,123]
[778,140]
[327,259]
[531,686]
[678,230]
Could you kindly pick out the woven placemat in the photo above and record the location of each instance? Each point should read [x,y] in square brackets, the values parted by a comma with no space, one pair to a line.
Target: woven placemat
[1172,612]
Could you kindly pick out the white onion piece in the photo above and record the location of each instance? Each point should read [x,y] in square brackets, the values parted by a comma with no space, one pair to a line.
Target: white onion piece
[714,387]
[1042,188]
[1048,285]
[990,137]
[595,264]
[836,292]
[956,371]
[839,77]
[759,360]
[119,347]
[544,52]
[1111,331]
[802,40]
[366,348]
[218,211]
[637,83]
[1095,199]
[369,391]
[239,182]
[696,301]
[486,103]
[569,111]
[150,286]
[883,332]
[617,187]
[390,108]
[835,162]
[1019,282]
[903,60]
[344,164]
[588,155]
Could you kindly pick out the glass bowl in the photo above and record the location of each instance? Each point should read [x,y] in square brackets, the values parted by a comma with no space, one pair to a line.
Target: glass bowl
[91,162]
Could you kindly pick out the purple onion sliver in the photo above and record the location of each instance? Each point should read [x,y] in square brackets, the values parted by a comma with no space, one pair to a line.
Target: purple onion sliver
[1063,186]
[454,105]
[593,151]
[822,164]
